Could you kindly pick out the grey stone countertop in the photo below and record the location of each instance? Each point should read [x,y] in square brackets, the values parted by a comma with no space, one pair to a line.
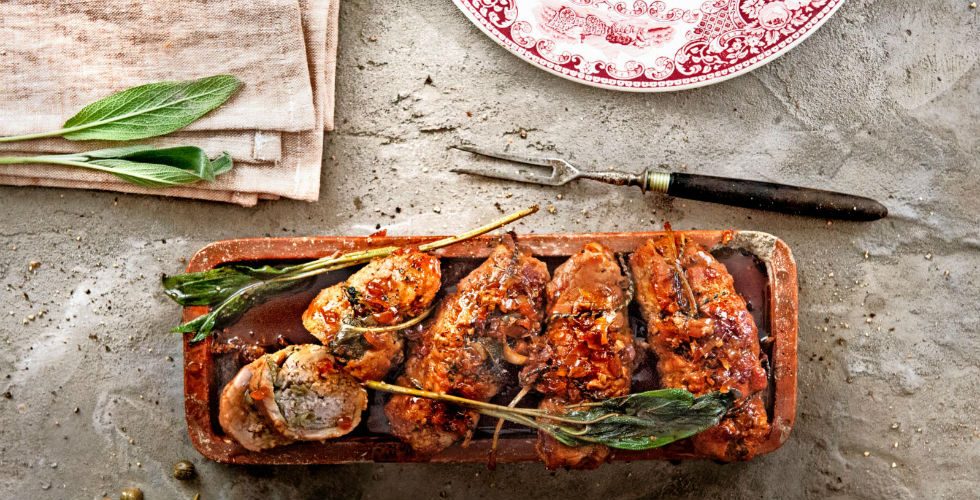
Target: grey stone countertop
[884,101]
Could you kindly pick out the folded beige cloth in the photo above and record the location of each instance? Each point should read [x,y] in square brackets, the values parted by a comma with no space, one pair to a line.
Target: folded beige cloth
[57,56]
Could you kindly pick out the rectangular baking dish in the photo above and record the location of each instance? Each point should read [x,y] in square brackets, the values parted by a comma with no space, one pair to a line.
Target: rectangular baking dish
[762,265]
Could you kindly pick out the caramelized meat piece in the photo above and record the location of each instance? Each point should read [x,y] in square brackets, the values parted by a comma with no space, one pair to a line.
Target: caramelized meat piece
[387,291]
[460,350]
[586,353]
[240,419]
[704,338]
[306,397]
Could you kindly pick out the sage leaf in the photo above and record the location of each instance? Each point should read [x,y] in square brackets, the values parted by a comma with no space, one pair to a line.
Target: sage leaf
[150,175]
[189,159]
[214,285]
[143,165]
[236,304]
[645,420]
[633,422]
[149,110]
[113,152]
[221,164]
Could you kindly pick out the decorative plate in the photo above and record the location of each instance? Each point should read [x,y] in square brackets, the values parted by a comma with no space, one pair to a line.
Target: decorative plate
[648,46]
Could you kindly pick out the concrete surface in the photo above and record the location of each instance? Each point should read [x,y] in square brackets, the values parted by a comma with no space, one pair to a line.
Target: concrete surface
[882,101]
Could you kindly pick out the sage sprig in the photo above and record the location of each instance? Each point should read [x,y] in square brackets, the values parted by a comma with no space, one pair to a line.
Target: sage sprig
[232,290]
[142,165]
[633,422]
[144,111]
[138,113]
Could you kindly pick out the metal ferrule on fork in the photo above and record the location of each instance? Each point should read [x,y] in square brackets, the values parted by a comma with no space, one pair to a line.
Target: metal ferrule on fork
[656,181]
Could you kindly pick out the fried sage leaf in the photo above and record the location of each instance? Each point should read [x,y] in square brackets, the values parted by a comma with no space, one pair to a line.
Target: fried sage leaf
[644,420]
[237,304]
[215,285]
[633,422]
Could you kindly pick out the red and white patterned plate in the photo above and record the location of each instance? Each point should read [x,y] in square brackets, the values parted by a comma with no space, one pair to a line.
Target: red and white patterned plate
[648,46]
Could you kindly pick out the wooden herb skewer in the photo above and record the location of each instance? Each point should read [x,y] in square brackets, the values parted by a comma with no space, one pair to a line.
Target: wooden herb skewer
[231,290]
[633,422]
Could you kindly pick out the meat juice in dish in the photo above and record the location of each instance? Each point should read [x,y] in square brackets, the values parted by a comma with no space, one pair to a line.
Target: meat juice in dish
[704,338]
[387,291]
[586,353]
[461,350]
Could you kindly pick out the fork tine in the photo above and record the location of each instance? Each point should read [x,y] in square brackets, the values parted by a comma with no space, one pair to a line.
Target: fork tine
[510,173]
[530,160]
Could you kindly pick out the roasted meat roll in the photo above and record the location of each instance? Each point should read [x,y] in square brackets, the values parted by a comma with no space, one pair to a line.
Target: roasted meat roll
[461,351]
[305,396]
[239,417]
[387,291]
[704,338]
[586,353]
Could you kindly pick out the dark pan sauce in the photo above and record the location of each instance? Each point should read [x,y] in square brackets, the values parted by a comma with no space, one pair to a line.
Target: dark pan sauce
[278,323]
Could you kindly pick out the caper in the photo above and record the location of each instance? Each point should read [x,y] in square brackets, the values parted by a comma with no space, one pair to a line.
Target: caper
[131,494]
[184,471]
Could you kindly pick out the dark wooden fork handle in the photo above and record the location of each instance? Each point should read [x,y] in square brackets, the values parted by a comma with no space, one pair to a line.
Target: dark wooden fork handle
[774,197]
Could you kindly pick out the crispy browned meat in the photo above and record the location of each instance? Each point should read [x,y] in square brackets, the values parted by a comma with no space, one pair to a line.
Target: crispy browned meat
[460,350]
[387,291]
[704,338]
[586,353]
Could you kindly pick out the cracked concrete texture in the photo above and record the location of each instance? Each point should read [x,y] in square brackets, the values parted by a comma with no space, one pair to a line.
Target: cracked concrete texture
[884,100]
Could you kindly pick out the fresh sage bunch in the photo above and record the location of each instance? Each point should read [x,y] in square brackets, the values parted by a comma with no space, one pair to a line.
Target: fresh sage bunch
[138,113]
[637,421]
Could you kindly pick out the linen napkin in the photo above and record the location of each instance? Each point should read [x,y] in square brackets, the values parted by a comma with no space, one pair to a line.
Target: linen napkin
[60,55]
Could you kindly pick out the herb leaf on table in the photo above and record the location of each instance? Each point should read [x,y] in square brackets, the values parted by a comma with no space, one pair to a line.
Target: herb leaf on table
[142,165]
[138,113]
[145,111]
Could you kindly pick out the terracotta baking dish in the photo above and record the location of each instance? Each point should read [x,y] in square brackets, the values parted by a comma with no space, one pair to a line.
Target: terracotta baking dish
[763,267]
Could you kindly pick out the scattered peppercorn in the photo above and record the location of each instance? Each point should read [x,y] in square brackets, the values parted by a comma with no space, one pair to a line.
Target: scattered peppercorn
[131,494]
[184,471]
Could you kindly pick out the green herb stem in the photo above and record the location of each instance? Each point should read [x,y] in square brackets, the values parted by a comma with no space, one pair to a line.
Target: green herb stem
[232,290]
[633,422]
[391,328]
[27,137]
[77,128]
[55,160]
[334,263]
[504,412]
[353,258]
